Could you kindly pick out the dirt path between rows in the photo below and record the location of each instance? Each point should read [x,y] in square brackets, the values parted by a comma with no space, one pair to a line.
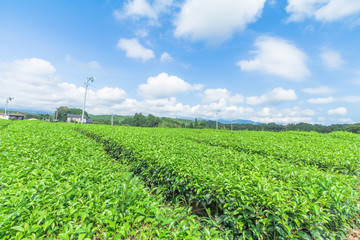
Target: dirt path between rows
[355,235]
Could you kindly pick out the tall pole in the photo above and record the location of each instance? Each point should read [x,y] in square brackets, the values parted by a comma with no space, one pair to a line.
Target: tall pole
[217,122]
[89,79]
[112,119]
[56,115]
[231,125]
[7,104]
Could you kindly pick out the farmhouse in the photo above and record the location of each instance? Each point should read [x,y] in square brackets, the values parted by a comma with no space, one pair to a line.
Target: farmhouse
[77,119]
[12,116]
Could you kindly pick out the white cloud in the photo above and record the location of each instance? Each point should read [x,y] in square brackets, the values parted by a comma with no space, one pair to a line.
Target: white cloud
[321,100]
[319,90]
[331,59]
[214,95]
[34,85]
[272,3]
[134,49]
[346,120]
[235,99]
[309,112]
[161,6]
[278,95]
[285,116]
[142,8]
[322,10]
[142,33]
[164,86]
[278,57]
[216,21]
[351,99]
[221,94]
[33,66]
[165,57]
[337,111]
[172,108]
[109,94]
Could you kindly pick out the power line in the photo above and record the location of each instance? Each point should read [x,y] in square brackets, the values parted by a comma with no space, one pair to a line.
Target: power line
[7,103]
[91,85]
[89,79]
[217,121]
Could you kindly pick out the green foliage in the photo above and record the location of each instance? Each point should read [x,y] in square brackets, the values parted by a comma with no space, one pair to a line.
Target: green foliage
[4,123]
[140,120]
[56,183]
[300,188]
[41,116]
[354,128]
[106,119]
[273,127]
[62,113]
[152,121]
[326,152]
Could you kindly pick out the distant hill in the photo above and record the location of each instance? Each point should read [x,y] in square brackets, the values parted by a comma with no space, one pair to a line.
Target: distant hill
[23,111]
[223,121]
[239,121]
[117,118]
[165,122]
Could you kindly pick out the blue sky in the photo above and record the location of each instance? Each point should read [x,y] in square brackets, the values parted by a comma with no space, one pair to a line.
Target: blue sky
[268,61]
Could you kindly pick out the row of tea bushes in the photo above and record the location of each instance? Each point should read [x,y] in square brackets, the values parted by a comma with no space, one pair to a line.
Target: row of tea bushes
[336,152]
[253,196]
[56,183]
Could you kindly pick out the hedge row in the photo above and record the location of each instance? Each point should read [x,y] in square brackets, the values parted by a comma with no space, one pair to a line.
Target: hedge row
[253,196]
[58,184]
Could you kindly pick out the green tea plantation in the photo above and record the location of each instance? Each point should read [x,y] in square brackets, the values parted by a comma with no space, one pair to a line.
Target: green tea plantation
[72,181]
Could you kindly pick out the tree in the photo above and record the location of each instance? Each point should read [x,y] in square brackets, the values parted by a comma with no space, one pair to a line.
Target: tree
[128,121]
[202,124]
[139,120]
[62,113]
[354,128]
[152,121]
[196,124]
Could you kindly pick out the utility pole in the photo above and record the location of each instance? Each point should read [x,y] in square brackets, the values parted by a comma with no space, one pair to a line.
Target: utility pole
[217,122]
[7,103]
[56,116]
[112,120]
[89,79]
[231,125]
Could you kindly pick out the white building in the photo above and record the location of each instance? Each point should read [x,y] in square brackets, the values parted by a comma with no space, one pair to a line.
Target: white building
[12,116]
[77,119]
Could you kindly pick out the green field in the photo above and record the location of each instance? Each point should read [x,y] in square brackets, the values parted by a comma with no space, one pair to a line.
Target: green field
[71,181]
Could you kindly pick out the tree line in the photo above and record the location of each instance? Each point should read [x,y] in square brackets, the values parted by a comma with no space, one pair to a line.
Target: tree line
[140,120]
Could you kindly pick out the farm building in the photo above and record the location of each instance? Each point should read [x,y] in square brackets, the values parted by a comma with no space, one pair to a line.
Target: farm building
[12,116]
[77,119]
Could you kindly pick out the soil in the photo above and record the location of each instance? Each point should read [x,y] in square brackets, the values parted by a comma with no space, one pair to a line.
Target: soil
[355,235]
